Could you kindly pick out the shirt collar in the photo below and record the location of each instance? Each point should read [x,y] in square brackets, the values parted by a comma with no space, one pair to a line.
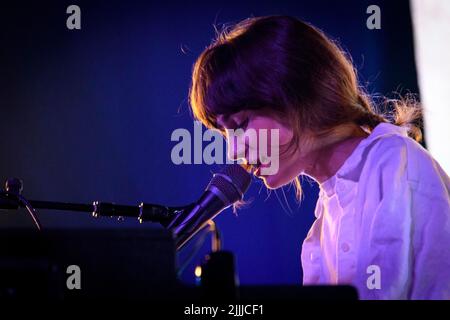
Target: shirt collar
[343,176]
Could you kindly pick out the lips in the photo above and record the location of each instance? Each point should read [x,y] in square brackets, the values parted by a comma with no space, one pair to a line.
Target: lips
[256,169]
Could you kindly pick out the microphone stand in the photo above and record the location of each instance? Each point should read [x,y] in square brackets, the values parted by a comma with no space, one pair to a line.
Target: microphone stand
[219,281]
[11,199]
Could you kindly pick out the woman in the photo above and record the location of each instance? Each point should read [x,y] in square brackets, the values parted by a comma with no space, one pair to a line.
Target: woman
[383,217]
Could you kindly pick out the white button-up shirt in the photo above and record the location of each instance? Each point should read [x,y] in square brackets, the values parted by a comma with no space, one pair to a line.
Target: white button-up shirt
[383,222]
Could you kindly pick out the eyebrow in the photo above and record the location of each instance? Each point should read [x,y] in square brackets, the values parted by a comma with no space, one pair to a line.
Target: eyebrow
[223,118]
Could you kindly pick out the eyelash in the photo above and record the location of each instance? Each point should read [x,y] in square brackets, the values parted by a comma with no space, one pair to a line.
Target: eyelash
[243,124]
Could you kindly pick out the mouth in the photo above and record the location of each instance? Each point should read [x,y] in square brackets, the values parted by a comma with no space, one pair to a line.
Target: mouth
[256,169]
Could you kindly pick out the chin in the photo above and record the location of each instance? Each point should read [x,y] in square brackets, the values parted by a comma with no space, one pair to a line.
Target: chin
[274,181]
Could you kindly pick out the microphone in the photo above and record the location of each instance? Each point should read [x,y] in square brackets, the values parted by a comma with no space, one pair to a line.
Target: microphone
[225,188]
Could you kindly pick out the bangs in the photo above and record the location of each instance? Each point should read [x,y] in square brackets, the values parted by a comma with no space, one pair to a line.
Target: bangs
[218,86]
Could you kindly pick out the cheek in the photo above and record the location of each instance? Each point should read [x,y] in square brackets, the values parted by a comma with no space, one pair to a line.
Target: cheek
[282,137]
[286,136]
[278,137]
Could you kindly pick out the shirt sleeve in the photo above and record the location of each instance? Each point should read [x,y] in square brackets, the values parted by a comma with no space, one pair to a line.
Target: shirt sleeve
[431,241]
[405,227]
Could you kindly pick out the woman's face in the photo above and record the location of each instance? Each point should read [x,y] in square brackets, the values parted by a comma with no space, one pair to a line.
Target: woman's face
[262,142]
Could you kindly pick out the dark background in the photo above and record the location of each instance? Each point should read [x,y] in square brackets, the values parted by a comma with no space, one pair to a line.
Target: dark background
[88,114]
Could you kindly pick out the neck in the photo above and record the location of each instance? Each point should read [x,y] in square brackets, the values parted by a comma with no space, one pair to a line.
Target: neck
[327,160]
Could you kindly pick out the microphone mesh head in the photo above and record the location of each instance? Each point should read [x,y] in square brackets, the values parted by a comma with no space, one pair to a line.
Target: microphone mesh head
[233,181]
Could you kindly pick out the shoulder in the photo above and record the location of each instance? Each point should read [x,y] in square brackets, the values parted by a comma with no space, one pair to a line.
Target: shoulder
[394,154]
[398,149]
[387,152]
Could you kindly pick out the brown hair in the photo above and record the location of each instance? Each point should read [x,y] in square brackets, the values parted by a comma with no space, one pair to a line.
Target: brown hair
[295,70]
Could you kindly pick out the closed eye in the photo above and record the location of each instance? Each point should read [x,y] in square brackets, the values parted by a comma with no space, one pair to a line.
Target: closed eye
[243,124]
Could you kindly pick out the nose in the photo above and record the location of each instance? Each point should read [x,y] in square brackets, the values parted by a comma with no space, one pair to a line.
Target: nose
[236,147]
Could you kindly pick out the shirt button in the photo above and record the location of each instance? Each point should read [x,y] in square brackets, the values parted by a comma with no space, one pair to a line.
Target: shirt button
[345,247]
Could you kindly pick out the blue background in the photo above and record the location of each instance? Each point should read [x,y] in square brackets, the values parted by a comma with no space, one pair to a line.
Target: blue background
[87,115]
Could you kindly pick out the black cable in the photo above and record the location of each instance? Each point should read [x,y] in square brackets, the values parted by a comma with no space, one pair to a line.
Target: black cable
[216,244]
[197,246]
[19,198]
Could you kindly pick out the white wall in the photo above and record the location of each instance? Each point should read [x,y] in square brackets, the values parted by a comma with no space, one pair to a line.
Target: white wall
[431,24]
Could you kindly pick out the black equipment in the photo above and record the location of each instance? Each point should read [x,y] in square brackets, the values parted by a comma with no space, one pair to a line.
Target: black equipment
[130,263]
